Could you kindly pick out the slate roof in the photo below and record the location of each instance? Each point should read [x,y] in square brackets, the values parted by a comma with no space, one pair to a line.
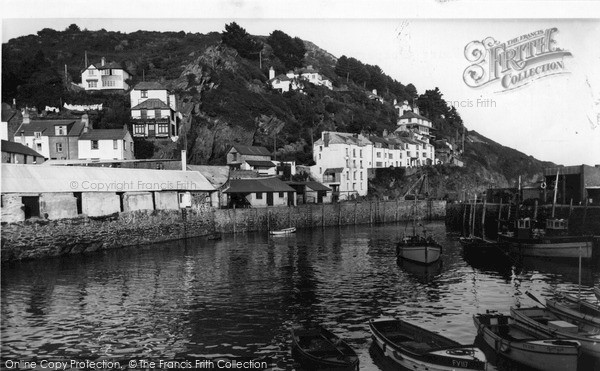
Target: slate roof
[12,147]
[315,186]
[104,134]
[41,179]
[250,150]
[7,112]
[109,65]
[216,175]
[258,185]
[410,114]
[256,163]
[46,127]
[152,103]
[149,85]
[345,138]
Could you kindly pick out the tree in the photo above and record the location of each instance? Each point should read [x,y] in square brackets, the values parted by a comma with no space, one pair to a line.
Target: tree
[289,50]
[73,28]
[237,38]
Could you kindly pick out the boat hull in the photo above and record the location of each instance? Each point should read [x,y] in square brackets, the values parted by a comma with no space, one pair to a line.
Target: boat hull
[540,354]
[283,232]
[597,292]
[557,247]
[568,307]
[317,348]
[455,357]
[590,341]
[424,254]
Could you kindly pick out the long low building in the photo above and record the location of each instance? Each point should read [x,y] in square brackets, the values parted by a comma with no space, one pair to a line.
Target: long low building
[49,192]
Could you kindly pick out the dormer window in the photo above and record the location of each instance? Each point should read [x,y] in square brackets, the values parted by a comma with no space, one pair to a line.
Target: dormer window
[37,134]
[60,130]
[144,93]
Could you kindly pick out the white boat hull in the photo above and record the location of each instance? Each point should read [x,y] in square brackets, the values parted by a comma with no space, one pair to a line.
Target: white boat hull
[556,250]
[420,254]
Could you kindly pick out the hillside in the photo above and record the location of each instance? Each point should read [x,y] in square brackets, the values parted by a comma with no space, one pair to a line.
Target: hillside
[221,78]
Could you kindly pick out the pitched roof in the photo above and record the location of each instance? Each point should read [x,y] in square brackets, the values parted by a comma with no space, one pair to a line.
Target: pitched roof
[345,138]
[258,185]
[216,175]
[7,112]
[46,127]
[41,179]
[149,85]
[104,134]
[257,163]
[251,150]
[315,186]
[12,147]
[152,103]
[113,65]
[411,114]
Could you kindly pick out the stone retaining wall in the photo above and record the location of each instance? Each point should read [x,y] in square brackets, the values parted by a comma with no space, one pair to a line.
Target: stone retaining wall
[39,238]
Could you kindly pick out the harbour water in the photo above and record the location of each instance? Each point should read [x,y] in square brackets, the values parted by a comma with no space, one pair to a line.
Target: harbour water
[240,295]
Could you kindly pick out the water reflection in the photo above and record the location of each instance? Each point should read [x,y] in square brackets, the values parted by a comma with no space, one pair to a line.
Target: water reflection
[240,295]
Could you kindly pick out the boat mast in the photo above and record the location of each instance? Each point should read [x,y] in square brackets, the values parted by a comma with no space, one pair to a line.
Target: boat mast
[555,192]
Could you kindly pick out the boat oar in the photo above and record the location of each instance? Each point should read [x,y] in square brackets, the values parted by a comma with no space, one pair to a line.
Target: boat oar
[534,298]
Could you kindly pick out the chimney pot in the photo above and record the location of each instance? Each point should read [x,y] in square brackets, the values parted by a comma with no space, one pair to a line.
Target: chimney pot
[103,60]
[85,119]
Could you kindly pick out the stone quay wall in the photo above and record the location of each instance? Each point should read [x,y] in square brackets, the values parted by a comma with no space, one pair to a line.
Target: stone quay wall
[40,238]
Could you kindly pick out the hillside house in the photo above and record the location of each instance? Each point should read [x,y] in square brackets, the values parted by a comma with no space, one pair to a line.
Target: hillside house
[342,160]
[106,144]
[53,139]
[104,76]
[16,153]
[154,111]
[311,192]
[293,80]
[238,154]
[11,119]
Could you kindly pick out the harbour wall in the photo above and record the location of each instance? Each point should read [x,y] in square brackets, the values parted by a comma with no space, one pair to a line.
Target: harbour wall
[583,220]
[40,238]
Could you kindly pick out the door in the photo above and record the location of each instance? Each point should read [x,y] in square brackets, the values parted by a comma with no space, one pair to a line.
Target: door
[269,198]
[151,130]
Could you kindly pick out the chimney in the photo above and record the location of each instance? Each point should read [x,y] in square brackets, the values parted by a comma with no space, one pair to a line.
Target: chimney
[103,61]
[271,73]
[326,138]
[85,120]
[183,160]
[26,119]
[14,106]
[416,109]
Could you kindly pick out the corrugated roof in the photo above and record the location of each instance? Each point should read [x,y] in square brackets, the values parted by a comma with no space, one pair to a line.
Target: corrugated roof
[251,150]
[257,185]
[216,175]
[103,134]
[12,147]
[152,103]
[257,163]
[41,179]
[149,85]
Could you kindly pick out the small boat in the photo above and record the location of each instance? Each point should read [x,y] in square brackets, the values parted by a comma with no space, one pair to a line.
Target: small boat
[517,343]
[418,349]
[315,347]
[284,231]
[543,322]
[570,308]
[597,292]
[419,249]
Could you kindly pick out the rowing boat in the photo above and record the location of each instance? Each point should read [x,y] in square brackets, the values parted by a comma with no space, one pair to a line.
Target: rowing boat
[570,308]
[418,349]
[315,347]
[284,231]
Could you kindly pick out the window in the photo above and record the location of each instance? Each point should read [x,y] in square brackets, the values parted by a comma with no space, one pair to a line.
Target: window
[259,195]
[361,175]
[59,130]
[59,147]
[354,175]
[91,72]
[92,84]
[361,164]
[424,145]
[354,186]
[320,148]
[378,164]
[163,129]
[360,153]
[354,153]
[347,163]
[115,144]
[157,113]
[37,134]
[320,170]
[319,156]
[390,156]
[144,93]
[348,176]
[378,154]
[105,72]
[139,129]
[353,163]
[346,151]
[39,147]
[131,146]
[95,144]
[280,194]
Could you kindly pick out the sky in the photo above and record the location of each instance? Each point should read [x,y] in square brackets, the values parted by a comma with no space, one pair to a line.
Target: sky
[554,118]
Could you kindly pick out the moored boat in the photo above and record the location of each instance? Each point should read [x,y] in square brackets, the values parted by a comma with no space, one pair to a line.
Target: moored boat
[418,349]
[569,307]
[597,292]
[419,249]
[315,347]
[515,342]
[551,242]
[543,322]
[282,232]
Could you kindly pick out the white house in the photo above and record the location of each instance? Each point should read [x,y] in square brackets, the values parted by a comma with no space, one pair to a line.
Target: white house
[106,144]
[293,80]
[104,76]
[417,128]
[154,111]
[259,192]
[342,160]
